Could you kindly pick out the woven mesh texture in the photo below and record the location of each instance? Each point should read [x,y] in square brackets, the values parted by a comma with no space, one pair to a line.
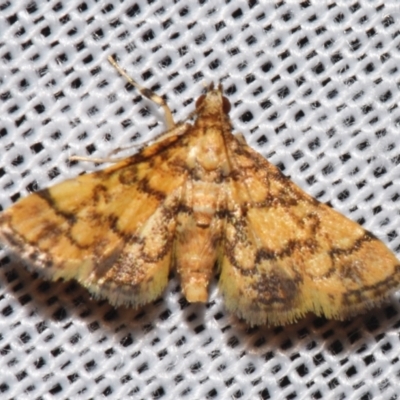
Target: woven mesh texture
[314,88]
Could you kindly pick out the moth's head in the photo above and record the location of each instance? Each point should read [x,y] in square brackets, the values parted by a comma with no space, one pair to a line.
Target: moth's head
[213,102]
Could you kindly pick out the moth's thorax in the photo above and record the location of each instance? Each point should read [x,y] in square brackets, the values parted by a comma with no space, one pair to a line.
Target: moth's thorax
[208,154]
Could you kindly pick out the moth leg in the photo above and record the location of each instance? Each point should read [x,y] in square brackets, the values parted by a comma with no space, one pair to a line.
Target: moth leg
[96,160]
[178,130]
[147,93]
[241,139]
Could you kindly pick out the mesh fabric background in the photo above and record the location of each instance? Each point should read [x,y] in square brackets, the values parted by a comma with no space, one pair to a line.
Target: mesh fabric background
[314,88]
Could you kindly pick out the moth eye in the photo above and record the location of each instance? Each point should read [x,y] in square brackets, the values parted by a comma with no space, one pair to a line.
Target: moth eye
[226,105]
[200,100]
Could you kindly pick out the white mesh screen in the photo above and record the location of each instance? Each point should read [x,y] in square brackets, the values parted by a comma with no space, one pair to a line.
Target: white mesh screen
[314,88]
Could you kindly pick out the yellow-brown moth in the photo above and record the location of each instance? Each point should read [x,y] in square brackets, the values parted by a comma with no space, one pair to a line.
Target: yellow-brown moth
[198,198]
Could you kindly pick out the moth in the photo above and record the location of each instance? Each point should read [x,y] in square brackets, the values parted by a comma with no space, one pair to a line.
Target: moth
[199,199]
